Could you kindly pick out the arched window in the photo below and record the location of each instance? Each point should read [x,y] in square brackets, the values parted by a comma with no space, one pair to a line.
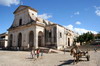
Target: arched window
[20,22]
[60,35]
[68,41]
[19,40]
[49,34]
[40,39]
[32,14]
[31,39]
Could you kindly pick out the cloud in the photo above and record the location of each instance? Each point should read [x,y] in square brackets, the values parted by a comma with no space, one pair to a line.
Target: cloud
[77,13]
[9,2]
[69,27]
[78,22]
[79,30]
[45,16]
[96,7]
[97,11]
[82,30]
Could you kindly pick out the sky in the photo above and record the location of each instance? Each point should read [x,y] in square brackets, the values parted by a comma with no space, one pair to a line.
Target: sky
[80,16]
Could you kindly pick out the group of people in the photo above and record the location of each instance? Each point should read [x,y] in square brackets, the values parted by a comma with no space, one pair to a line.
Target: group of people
[35,53]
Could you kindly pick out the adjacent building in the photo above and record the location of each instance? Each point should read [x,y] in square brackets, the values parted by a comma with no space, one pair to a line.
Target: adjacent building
[97,39]
[3,40]
[29,31]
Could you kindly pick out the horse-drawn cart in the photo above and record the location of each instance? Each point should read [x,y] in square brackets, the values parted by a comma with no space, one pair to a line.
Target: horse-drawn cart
[80,54]
[83,55]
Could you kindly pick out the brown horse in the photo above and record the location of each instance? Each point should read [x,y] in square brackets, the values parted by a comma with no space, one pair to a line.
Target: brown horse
[78,55]
[74,54]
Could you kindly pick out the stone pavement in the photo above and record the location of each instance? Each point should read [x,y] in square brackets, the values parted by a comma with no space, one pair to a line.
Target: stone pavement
[22,58]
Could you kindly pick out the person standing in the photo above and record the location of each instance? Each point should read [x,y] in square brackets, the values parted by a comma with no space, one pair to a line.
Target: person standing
[41,53]
[32,53]
[64,50]
[38,52]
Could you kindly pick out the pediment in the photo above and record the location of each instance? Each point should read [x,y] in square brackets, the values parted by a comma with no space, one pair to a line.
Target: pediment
[20,8]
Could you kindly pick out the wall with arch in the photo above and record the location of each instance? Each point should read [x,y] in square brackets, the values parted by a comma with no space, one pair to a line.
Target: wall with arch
[25,36]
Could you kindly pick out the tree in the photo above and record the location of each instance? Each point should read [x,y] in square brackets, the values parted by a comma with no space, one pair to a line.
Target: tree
[85,37]
[80,39]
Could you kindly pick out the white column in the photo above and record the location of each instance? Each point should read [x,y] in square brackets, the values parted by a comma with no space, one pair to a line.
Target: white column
[36,38]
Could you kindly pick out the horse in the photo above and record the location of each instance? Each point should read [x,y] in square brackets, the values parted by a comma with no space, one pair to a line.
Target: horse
[76,54]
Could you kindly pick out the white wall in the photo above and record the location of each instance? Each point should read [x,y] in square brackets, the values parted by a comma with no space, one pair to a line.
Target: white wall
[61,41]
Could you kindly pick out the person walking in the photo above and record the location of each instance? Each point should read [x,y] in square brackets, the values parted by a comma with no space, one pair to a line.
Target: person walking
[95,49]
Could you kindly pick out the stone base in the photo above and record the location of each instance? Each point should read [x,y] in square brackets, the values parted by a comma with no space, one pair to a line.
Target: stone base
[18,48]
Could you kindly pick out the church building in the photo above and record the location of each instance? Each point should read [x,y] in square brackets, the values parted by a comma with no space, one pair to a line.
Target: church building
[30,31]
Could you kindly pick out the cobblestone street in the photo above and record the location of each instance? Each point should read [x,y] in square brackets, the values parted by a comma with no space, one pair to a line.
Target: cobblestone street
[22,58]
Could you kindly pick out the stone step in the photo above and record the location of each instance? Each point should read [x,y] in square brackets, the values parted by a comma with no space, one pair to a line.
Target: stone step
[48,50]
[55,51]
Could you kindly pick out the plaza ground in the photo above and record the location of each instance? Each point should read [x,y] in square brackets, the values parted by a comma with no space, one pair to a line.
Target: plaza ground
[23,58]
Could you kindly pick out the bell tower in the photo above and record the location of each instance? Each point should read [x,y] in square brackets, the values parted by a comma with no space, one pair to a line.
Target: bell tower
[23,15]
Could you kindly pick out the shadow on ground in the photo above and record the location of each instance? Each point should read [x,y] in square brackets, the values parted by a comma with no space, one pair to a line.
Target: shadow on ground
[69,62]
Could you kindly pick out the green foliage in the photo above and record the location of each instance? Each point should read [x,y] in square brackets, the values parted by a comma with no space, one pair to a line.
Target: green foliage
[85,38]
